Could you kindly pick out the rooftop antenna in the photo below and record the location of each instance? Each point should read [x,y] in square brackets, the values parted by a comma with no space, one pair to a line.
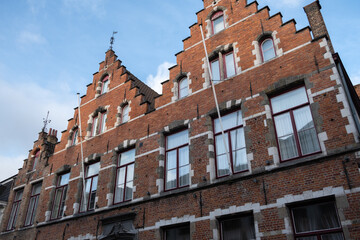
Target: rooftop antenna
[46,121]
[112,40]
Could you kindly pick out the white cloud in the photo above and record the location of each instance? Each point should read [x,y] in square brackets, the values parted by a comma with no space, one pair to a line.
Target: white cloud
[95,6]
[24,106]
[161,75]
[36,5]
[10,165]
[29,37]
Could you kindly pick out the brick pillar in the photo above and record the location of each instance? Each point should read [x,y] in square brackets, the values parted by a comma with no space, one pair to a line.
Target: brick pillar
[317,23]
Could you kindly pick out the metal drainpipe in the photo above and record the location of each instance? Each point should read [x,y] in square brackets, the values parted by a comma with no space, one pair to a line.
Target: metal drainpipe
[348,97]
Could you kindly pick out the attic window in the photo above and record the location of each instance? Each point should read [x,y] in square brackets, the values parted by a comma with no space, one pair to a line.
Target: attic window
[217,22]
[183,87]
[36,159]
[267,49]
[99,124]
[125,114]
[105,84]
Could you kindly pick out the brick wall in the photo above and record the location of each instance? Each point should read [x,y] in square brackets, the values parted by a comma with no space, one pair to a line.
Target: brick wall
[266,190]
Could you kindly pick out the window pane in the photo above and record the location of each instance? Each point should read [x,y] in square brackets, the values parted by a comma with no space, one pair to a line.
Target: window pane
[93,169]
[121,176]
[286,137]
[30,211]
[103,121]
[215,70]
[128,190]
[179,233]
[64,179]
[36,189]
[230,65]
[171,160]
[315,217]
[18,195]
[177,139]
[125,114]
[105,86]
[289,100]
[127,157]
[306,131]
[171,179]
[119,193]
[218,24]
[240,160]
[130,173]
[222,165]
[229,121]
[268,49]
[184,176]
[307,238]
[57,201]
[183,88]
[12,217]
[333,236]
[184,156]
[239,228]
[220,147]
[237,139]
[95,125]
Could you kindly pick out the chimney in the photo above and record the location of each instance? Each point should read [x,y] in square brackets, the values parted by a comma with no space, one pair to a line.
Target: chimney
[317,23]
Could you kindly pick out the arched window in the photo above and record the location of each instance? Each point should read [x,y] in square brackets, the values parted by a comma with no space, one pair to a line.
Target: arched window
[217,21]
[125,114]
[105,85]
[267,49]
[36,159]
[183,87]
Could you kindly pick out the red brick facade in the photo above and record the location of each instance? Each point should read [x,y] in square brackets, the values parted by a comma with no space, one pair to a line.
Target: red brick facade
[269,188]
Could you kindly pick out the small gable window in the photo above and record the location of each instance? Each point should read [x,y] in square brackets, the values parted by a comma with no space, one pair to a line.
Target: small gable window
[125,114]
[36,159]
[183,88]
[98,126]
[267,49]
[105,85]
[225,70]
[74,137]
[217,21]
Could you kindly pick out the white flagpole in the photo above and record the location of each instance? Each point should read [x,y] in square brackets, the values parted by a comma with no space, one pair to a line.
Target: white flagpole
[216,101]
[82,157]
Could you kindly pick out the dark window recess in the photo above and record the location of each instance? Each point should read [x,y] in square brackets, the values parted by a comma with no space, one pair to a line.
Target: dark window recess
[318,221]
[240,227]
[177,233]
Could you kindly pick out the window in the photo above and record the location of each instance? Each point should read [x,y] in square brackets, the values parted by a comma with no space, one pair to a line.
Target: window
[15,209]
[125,114]
[217,21]
[125,176]
[34,199]
[267,49]
[177,233]
[177,160]
[99,124]
[60,196]
[241,227]
[295,129]
[235,144]
[183,87]
[316,221]
[91,181]
[227,68]
[74,137]
[105,84]
[36,159]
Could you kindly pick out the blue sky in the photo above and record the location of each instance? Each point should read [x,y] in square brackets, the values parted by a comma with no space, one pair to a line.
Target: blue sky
[49,50]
